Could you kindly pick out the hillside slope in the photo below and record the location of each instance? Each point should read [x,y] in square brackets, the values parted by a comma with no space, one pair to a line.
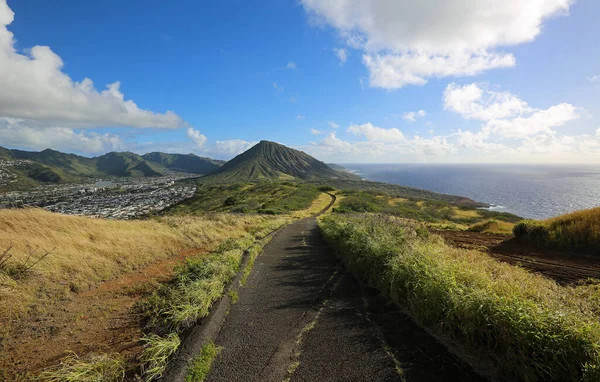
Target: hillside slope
[184,162]
[269,161]
[33,168]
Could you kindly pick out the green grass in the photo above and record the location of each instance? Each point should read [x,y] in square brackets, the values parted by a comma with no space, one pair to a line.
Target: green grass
[176,306]
[511,323]
[156,354]
[579,231]
[432,211]
[94,368]
[202,364]
[181,303]
[492,226]
[272,198]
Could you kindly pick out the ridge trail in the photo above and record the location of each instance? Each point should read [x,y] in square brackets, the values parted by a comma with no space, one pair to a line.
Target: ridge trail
[302,317]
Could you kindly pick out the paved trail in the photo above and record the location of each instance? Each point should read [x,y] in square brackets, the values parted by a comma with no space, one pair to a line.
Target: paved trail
[302,317]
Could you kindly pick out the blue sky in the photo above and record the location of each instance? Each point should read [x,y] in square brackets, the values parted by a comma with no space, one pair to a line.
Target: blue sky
[346,81]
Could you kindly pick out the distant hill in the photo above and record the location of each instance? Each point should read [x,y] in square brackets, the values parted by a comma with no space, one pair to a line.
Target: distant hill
[185,162]
[54,166]
[270,160]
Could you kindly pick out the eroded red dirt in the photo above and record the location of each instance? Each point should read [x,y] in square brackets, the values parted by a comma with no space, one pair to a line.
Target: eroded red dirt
[564,267]
[101,320]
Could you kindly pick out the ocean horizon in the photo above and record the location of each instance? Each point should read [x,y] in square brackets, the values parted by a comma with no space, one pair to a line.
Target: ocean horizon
[535,191]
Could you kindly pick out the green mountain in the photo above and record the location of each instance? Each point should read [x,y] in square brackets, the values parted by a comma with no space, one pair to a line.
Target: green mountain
[125,164]
[51,166]
[270,160]
[184,162]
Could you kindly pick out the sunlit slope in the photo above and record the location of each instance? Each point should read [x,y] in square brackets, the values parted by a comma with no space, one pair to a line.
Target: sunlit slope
[578,231]
[270,160]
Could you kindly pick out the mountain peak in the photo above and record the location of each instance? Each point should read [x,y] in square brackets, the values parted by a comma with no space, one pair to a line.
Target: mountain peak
[271,160]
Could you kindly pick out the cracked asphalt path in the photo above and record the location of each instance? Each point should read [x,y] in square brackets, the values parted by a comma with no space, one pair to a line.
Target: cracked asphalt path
[302,317]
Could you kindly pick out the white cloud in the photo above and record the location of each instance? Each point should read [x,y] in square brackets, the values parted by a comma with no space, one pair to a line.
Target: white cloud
[473,102]
[233,146]
[300,117]
[505,114]
[334,125]
[17,133]
[291,65]
[595,78]
[394,71]
[377,134]
[477,142]
[342,55]
[541,121]
[199,139]
[406,42]
[315,132]
[598,132]
[34,87]
[411,116]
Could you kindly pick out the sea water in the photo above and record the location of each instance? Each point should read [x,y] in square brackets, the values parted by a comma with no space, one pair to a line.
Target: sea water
[531,191]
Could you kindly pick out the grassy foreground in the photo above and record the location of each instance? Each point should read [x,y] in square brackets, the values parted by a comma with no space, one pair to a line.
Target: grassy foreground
[514,325]
[82,252]
[578,231]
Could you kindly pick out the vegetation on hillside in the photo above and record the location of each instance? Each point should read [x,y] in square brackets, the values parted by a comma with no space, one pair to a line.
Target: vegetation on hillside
[579,231]
[271,198]
[54,166]
[433,211]
[273,161]
[396,191]
[511,324]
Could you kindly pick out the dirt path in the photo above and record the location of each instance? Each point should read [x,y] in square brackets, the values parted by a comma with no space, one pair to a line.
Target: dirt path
[302,317]
[99,320]
[564,267]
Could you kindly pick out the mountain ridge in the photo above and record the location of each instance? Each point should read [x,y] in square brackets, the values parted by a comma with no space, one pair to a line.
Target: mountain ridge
[51,166]
[270,160]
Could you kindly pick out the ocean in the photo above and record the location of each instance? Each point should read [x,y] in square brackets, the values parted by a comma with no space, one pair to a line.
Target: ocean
[530,191]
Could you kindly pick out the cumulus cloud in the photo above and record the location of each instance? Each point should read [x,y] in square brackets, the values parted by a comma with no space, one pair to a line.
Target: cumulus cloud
[198,138]
[393,71]
[411,116]
[378,134]
[233,146]
[34,87]
[300,117]
[315,132]
[291,65]
[333,125]
[406,42]
[540,121]
[342,55]
[505,114]
[474,102]
[388,145]
[17,133]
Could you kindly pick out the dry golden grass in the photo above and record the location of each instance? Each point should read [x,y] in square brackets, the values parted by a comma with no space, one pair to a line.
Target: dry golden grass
[317,206]
[395,201]
[85,251]
[465,214]
[578,231]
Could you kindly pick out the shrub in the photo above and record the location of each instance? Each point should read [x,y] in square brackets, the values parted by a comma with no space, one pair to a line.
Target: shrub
[527,327]
[487,225]
[94,368]
[579,231]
